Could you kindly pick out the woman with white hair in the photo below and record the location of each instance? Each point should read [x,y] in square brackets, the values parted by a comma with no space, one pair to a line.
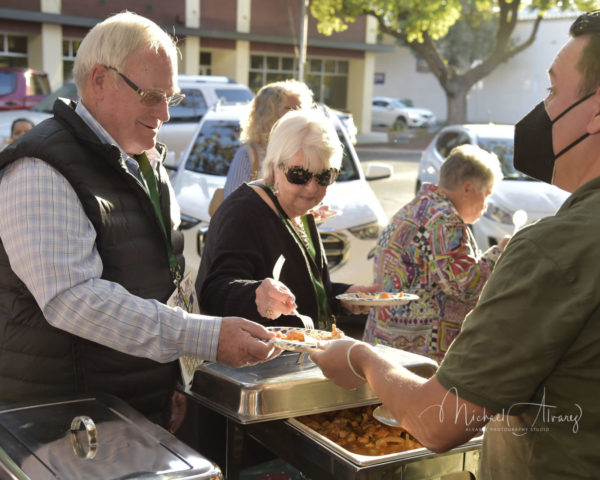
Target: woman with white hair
[428,249]
[264,220]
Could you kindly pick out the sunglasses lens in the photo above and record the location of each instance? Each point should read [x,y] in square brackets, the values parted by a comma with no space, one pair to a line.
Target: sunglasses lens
[327,177]
[298,175]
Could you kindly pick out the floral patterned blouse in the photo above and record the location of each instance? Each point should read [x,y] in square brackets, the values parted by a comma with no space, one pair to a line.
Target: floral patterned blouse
[427,250]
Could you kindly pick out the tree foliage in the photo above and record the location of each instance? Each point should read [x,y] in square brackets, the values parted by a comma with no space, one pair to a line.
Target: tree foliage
[449,35]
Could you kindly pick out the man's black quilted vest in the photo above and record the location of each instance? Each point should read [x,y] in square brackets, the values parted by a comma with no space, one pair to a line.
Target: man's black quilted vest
[38,360]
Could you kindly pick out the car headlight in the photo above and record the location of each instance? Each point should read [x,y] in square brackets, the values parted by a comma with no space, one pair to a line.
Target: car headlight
[498,214]
[369,231]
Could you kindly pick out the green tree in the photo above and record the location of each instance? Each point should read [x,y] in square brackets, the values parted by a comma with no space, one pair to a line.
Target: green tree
[435,30]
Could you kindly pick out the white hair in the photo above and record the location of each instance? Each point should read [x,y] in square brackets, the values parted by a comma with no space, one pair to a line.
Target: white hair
[308,131]
[470,162]
[114,40]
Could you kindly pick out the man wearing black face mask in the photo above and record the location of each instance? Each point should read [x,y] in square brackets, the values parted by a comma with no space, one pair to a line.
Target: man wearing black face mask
[527,361]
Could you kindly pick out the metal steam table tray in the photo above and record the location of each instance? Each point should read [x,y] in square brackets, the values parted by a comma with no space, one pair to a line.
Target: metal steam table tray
[283,388]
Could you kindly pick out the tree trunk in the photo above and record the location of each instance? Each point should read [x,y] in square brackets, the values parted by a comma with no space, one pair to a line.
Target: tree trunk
[456,105]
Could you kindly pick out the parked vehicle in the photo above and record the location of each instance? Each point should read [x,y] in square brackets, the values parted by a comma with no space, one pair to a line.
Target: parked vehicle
[517,191]
[201,93]
[347,120]
[40,111]
[22,88]
[348,238]
[393,112]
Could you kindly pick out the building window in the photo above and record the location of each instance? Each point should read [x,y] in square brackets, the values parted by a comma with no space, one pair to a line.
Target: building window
[13,51]
[69,51]
[327,78]
[379,78]
[205,63]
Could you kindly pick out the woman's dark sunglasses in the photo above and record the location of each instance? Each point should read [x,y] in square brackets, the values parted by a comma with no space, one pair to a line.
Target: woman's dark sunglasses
[301,176]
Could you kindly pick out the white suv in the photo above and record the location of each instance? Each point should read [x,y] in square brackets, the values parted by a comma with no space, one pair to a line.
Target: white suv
[348,238]
[393,112]
[201,93]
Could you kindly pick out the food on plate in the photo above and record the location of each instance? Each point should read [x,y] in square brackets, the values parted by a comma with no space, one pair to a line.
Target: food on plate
[357,431]
[300,335]
[380,295]
[323,335]
[291,335]
[322,213]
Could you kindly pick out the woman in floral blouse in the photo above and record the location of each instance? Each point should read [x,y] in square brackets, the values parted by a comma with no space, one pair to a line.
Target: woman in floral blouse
[428,250]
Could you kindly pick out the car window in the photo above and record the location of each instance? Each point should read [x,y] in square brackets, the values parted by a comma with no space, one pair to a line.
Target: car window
[504,149]
[447,141]
[233,95]
[348,170]
[214,147]
[8,82]
[192,108]
[68,90]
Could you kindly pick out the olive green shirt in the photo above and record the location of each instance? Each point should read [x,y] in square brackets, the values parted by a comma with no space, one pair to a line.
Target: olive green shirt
[530,350]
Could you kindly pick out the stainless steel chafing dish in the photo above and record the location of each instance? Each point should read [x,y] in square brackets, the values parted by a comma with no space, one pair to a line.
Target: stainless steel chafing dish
[263,400]
[92,437]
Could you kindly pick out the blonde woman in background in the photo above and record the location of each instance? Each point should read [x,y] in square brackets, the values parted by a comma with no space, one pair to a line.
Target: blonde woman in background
[269,105]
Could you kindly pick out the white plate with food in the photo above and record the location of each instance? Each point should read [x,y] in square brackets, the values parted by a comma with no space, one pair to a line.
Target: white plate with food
[377,299]
[324,213]
[298,339]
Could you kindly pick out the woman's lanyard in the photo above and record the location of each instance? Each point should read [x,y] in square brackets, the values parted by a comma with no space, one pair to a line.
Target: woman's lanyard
[152,188]
[309,253]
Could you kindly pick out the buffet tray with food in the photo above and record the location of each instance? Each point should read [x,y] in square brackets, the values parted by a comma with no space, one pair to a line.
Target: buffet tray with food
[284,388]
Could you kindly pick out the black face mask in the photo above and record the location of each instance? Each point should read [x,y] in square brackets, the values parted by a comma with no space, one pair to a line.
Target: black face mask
[534,155]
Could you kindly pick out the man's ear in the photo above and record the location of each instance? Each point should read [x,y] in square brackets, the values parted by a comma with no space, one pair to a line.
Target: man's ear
[594,124]
[98,79]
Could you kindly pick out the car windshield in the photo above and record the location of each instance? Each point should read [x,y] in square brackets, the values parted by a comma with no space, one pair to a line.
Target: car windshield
[218,140]
[233,95]
[193,107]
[504,149]
[68,90]
[399,104]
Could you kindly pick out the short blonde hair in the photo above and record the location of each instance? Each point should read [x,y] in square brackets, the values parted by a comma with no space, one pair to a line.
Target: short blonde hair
[112,41]
[470,162]
[308,131]
[267,107]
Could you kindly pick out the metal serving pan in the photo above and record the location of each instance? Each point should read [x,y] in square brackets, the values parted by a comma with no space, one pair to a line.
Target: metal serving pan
[92,437]
[282,388]
[319,457]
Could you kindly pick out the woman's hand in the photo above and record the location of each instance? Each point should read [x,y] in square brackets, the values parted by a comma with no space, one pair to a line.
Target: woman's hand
[356,309]
[274,299]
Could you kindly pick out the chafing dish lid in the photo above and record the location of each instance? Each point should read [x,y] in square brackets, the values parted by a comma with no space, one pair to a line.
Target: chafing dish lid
[36,441]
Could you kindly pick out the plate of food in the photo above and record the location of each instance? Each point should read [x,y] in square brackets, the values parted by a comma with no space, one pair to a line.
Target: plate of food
[323,213]
[298,339]
[377,299]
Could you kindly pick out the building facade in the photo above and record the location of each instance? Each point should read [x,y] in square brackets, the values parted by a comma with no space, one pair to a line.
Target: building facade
[252,41]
